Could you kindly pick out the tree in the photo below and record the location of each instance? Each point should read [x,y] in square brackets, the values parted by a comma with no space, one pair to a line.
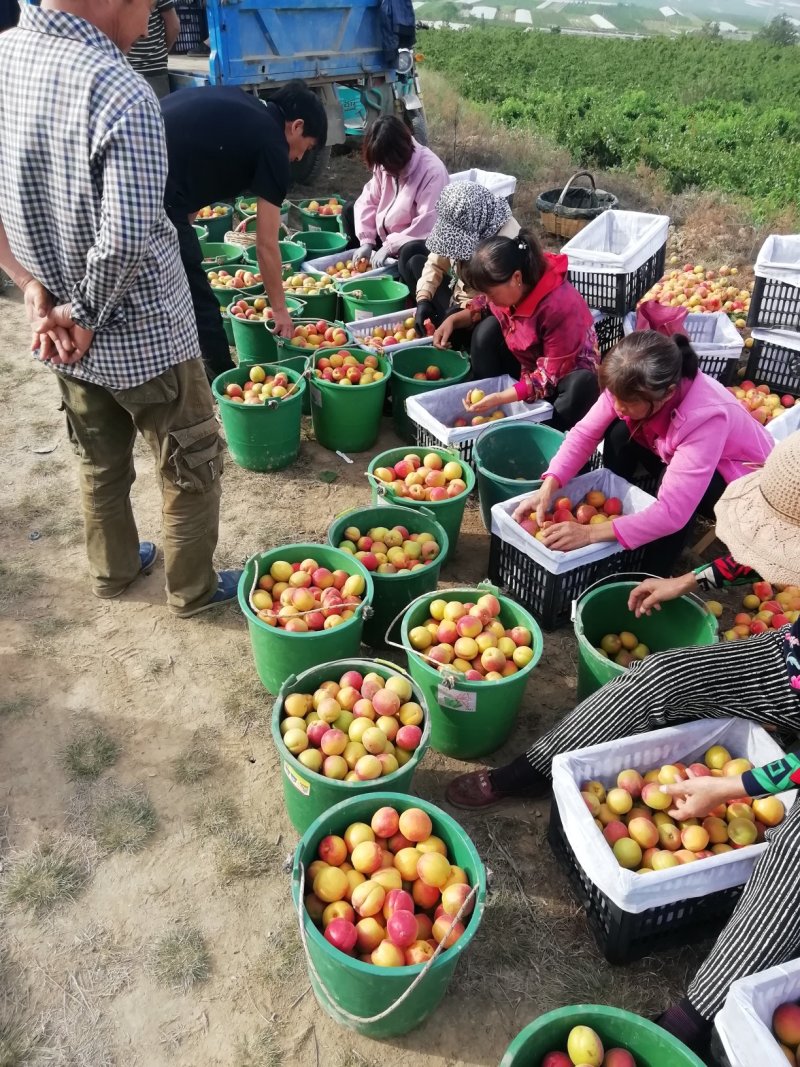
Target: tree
[780,31]
[712,30]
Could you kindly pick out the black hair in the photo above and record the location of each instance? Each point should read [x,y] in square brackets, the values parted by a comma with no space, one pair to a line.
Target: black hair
[645,365]
[388,144]
[497,259]
[297,101]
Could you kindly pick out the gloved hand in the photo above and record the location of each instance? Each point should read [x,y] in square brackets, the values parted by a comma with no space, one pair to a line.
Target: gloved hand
[426,311]
[380,257]
[364,252]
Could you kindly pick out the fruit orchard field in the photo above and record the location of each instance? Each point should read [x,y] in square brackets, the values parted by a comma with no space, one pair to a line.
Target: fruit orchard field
[713,114]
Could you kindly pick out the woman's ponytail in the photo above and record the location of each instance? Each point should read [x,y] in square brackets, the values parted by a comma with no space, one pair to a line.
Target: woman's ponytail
[689,362]
[497,259]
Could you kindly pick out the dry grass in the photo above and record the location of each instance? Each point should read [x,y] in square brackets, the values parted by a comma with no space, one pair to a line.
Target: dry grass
[52,873]
[180,959]
[282,958]
[117,818]
[19,1039]
[243,852]
[15,706]
[245,701]
[215,814]
[18,579]
[88,754]
[260,1050]
[197,762]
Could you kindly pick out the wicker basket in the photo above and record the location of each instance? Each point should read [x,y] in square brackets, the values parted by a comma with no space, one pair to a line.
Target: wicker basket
[565,212]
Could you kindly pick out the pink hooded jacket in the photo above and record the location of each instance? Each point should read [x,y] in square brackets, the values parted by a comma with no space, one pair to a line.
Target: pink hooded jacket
[706,430]
[398,210]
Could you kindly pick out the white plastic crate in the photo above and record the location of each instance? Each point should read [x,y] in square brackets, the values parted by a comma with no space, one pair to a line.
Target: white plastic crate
[715,339]
[499,184]
[616,242]
[436,412]
[317,266]
[744,1026]
[686,743]
[633,500]
[779,259]
[364,327]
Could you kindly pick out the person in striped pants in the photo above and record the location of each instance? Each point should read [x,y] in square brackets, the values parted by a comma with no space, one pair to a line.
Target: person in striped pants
[758,517]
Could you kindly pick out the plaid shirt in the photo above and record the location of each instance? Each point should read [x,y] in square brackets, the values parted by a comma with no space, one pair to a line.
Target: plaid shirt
[83,164]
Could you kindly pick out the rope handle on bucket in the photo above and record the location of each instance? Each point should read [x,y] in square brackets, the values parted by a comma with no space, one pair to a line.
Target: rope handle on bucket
[623,576]
[366,609]
[359,1019]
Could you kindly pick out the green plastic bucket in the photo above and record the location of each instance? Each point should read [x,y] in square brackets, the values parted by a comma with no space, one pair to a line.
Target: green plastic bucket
[308,795]
[201,231]
[379,296]
[603,609]
[453,365]
[261,438]
[470,719]
[322,305]
[348,419]
[226,297]
[510,460]
[292,255]
[246,206]
[320,242]
[448,513]
[226,325]
[343,983]
[278,654]
[651,1046]
[219,254]
[218,225]
[254,339]
[315,221]
[393,591]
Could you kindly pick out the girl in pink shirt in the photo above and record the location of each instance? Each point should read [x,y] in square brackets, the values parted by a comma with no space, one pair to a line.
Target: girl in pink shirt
[658,409]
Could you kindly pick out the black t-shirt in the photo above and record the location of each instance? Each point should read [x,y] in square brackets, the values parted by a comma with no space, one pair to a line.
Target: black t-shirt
[222,143]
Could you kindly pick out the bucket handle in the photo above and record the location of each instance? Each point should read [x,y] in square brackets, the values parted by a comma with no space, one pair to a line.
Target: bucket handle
[366,1020]
[610,578]
[412,511]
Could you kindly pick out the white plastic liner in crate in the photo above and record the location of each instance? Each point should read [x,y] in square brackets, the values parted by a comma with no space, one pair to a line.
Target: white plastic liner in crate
[687,743]
[633,500]
[712,335]
[744,1025]
[616,242]
[364,327]
[782,426]
[779,259]
[317,266]
[499,184]
[437,410]
[779,338]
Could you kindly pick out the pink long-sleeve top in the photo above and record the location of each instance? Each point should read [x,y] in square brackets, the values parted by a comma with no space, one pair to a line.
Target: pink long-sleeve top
[701,429]
[402,209]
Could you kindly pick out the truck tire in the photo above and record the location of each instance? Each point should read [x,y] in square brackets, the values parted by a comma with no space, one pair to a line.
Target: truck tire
[417,123]
[311,166]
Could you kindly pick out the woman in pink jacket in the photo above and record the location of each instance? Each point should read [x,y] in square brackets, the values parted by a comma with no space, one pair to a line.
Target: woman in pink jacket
[659,409]
[398,204]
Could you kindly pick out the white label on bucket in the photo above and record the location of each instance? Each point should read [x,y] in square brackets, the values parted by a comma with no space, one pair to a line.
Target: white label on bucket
[316,395]
[456,699]
[363,314]
[314,229]
[300,784]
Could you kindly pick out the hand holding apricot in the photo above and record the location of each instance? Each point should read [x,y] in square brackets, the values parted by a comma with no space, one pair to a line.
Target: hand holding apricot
[697,797]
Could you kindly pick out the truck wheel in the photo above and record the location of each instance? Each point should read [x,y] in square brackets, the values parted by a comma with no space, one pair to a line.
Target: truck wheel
[417,123]
[311,166]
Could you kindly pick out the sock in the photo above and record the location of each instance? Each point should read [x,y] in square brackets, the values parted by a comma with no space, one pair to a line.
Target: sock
[519,777]
[686,1023]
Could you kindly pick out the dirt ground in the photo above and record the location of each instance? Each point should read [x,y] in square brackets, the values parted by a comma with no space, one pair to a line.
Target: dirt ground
[182,703]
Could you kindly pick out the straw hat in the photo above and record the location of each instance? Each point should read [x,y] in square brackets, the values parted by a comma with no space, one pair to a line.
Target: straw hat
[758,516]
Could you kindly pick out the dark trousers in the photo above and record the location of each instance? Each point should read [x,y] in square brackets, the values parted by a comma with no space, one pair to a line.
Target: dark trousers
[490,356]
[349,224]
[213,342]
[410,264]
[629,459]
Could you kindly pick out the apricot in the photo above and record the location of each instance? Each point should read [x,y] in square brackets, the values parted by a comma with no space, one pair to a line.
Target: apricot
[585,1047]
[367,857]
[332,850]
[418,952]
[388,877]
[643,832]
[369,934]
[446,932]
[786,1024]
[426,896]
[406,860]
[388,955]
[331,884]
[433,869]
[339,909]
[368,899]
[769,810]
[619,801]
[415,824]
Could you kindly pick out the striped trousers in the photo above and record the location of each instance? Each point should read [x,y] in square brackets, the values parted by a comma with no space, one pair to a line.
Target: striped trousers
[746,679]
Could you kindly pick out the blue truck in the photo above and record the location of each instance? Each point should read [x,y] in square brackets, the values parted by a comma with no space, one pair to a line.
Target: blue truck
[359,56]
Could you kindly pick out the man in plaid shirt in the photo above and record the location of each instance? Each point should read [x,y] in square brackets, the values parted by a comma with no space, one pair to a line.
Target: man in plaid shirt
[83,233]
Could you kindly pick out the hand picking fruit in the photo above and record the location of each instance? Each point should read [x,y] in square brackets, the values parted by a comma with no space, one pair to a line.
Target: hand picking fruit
[390,550]
[303,597]
[594,510]
[386,891]
[357,729]
[470,638]
[424,477]
[476,400]
[259,388]
[758,518]
[652,386]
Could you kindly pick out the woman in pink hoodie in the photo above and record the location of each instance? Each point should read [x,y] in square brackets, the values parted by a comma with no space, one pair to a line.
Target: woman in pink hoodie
[657,407]
[398,204]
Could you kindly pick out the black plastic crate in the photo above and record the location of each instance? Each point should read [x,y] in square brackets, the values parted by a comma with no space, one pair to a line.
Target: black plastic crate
[194,28]
[774,305]
[617,294]
[775,366]
[623,936]
[427,440]
[723,368]
[549,596]
[609,332]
